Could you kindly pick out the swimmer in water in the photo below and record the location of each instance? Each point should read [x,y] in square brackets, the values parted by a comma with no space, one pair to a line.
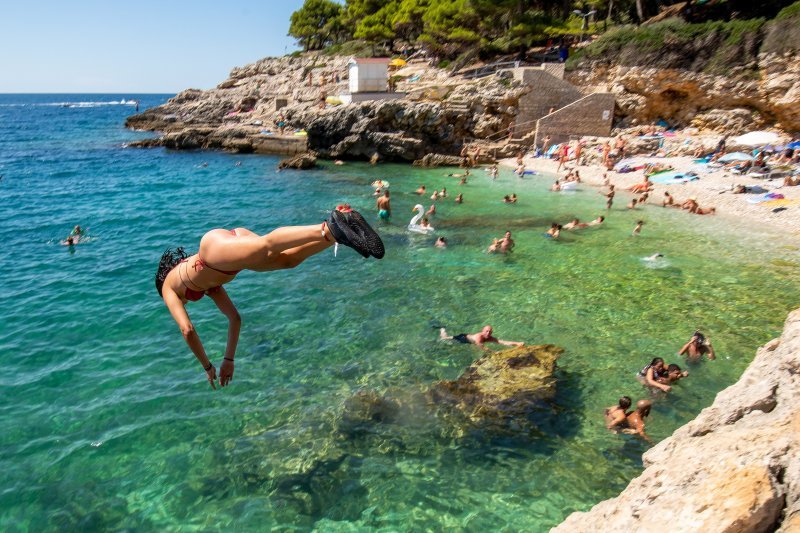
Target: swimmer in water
[554,231]
[616,414]
[479,339]
[182,278]
[420,190]
[597,221]
[441,242]
[638,229]
[432,211]
[460,198]
[654,257]
[384,206]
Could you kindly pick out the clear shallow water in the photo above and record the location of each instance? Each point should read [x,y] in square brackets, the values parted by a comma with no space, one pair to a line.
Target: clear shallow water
[109,423]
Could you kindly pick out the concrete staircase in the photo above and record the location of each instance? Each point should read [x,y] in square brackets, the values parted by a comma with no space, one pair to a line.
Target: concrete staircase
[457,105]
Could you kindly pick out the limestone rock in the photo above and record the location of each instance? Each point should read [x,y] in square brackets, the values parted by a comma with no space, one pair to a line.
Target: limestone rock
[438,160]
[502,384]
[738,460]
[303,161]
[232,115]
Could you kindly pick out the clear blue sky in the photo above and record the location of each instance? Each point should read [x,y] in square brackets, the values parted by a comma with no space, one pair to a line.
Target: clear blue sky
[135,46]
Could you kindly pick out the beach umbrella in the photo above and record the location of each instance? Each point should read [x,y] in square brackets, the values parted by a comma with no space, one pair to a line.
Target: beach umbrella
[735,156]
[397,62]
[756,138]
[793,145]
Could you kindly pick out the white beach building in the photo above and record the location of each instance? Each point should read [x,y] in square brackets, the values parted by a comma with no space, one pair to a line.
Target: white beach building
[368,80]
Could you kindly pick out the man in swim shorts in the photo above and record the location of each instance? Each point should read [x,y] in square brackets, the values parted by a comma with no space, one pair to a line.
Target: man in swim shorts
[384,206]
[479,339]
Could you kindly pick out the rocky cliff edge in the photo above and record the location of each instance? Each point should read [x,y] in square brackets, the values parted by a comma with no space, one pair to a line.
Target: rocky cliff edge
[736,467]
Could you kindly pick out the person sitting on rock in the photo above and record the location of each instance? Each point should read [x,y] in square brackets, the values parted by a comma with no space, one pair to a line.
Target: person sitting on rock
[616,415]
[635,420]
[480,338]
[698,346]
[668,201]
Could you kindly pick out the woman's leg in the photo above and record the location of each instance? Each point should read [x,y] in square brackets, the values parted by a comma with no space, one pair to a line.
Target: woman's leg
[224,251]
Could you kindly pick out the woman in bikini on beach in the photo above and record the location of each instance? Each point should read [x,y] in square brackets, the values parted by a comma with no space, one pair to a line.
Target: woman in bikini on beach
[183,278]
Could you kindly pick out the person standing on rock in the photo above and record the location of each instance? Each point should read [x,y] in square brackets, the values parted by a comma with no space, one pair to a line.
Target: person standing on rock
[384,206]
[479,339]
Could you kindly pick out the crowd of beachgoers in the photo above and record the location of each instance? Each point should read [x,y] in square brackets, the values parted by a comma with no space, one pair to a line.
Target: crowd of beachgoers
[657,376]
[753,176]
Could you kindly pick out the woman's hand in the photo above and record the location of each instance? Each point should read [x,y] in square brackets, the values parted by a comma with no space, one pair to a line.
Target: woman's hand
[225,372]
[211,373]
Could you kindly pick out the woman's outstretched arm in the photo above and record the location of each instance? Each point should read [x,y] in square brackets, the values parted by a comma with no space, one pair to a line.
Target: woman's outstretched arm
[178,312]
[225,305]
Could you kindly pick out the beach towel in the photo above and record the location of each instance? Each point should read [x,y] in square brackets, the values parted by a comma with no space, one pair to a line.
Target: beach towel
[762,198]
[780,202]
[673,177]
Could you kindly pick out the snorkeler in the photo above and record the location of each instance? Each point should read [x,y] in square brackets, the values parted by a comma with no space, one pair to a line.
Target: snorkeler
[181,278]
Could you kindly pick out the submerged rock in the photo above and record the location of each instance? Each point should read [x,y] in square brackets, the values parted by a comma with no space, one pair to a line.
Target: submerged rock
[500,393]
[499,385]
[304,161]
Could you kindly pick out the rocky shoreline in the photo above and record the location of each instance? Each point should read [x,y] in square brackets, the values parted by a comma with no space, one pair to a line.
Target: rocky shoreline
[733,468]
[437,116]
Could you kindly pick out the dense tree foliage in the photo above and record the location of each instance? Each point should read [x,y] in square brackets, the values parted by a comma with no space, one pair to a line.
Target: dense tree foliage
[452,27]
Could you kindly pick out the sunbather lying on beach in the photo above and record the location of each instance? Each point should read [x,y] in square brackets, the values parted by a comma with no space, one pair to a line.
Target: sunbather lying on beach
[655,168]
[183,278]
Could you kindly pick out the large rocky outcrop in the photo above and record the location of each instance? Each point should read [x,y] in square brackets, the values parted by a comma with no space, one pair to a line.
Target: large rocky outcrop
[499,393]
[234,115]
[736,467]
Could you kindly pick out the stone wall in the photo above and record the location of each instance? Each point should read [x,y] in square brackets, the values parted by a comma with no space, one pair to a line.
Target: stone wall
[736,467]
[590,116]
[547,92]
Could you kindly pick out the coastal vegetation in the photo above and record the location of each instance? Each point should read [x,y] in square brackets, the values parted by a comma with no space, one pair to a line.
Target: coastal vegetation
[453,28]
[712,46]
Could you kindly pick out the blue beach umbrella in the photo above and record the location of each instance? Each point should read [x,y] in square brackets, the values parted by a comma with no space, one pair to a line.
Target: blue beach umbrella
[735,156]
[793,145]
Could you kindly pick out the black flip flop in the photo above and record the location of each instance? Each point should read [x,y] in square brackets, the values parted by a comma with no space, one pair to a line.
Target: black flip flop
[350,229]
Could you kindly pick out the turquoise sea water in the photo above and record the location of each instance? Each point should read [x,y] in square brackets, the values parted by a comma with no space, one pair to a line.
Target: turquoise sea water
[109,423]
